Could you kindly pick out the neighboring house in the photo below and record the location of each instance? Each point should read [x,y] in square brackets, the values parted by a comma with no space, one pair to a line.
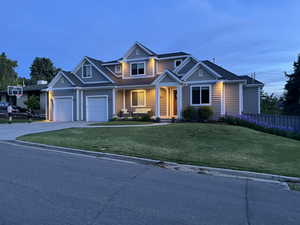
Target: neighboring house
[30,90]
[143,81]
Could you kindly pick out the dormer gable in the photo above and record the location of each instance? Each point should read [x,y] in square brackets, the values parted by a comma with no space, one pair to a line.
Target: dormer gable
[138,51]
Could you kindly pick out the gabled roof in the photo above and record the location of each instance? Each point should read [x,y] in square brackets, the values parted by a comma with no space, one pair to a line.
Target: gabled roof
[172,54]
[250,80]
[227,75]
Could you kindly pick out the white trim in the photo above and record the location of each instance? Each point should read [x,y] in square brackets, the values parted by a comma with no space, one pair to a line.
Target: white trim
[161,77]
[114,101]
[177,60]
[110,64]
[179,102]
[241,94]
[104,74]
[57,77]
[202,82]
[144,91]
[195,67]
[81,104]
[77,104]
[90,82]
[133,47]
[259,99]
[137,59]
[136,75]
[116,66]
[186,61]
[210,95]
[62,97]
[82,71]
[223,112]
[86,105]
[124,99]
[157,101]
[46,105]
[172,102]
[113,72]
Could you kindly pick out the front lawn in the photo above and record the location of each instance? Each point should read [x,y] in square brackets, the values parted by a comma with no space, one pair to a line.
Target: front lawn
[215,145]
[124,122]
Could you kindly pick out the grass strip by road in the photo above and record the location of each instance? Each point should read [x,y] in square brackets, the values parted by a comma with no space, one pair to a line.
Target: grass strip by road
[215,145]
[120,122]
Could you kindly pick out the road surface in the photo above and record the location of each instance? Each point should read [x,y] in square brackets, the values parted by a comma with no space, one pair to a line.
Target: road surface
[39,187]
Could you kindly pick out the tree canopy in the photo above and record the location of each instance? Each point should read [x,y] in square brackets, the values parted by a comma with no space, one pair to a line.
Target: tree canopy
[42,69]
[8,75]
[270,104]
[292,91]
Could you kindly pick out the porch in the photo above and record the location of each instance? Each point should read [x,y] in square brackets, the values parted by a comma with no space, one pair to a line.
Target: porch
[160,101]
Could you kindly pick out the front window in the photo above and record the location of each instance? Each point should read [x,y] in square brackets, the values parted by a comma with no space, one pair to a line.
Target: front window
[200,95]
[137,68]
[177,62]
[86,71]
[138,98]
[118,69]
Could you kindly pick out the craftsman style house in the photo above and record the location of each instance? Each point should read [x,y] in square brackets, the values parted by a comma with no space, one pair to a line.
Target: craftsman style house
[143,81]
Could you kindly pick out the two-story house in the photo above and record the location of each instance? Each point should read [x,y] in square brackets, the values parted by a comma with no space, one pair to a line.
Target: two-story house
[143,81]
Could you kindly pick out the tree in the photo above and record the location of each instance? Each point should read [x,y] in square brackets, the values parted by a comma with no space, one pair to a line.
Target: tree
[292,91]
[8,75]
[270,104]
[42,69]
[33,102]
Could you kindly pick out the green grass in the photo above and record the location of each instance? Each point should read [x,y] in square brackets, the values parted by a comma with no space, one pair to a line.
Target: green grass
[294,186]
[118,122]
[216,145]
[4,120]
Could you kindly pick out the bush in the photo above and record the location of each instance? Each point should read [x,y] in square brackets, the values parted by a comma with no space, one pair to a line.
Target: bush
[146,117]
[205,113]
[240,122]
[157,120]
[190,114]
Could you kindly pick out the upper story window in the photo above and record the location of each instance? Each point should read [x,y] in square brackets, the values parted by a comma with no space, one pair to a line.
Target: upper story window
[137,68]
[87,71]
[177,62]
[118,69]
[200,95]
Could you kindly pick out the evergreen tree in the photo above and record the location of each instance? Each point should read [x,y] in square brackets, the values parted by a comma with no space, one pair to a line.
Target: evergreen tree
[8,75]
[42,69]
[292,94]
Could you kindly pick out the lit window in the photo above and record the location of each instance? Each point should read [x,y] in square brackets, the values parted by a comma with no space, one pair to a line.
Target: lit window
[118,68]
[138,98]
[177,62]
[200,95]
[137,68]
[86,71]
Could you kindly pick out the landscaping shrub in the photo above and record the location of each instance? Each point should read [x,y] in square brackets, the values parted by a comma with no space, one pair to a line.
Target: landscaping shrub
[205,113]
[190,114]
[157,120]
[146,117]
[240,122]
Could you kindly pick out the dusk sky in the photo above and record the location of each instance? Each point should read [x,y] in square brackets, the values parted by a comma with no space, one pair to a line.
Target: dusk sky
[243,36]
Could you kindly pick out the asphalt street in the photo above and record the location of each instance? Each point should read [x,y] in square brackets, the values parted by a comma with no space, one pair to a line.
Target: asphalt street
[39,187]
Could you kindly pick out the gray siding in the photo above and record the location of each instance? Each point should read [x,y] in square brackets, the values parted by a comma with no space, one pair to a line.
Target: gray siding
[62,82]
[150,100]
[187,67]
[232,98]
[96,77]
[200,74]
[215,98]
[141,54]
[107,92]
[250,99]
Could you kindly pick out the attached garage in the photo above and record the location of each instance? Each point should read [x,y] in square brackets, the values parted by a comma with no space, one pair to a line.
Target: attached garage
[97,108]
[63,108]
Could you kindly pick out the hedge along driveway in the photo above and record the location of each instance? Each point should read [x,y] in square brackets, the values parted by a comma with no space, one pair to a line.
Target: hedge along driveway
[216,145]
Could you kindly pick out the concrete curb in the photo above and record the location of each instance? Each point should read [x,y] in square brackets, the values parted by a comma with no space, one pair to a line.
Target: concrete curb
[169,165]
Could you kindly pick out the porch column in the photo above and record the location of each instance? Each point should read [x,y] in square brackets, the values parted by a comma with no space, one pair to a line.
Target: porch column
[124,97]
[114,101]
[46,105]
[77,105]
[179,101]
[157,101]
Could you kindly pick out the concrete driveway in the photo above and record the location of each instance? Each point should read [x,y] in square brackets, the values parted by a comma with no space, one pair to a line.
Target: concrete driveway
[11,131]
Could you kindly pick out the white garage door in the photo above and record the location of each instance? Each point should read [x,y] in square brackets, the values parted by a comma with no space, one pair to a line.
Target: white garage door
[63,109]
[96,108]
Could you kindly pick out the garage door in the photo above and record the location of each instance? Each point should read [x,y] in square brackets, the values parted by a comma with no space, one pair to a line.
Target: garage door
[63,109]
[96,108]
